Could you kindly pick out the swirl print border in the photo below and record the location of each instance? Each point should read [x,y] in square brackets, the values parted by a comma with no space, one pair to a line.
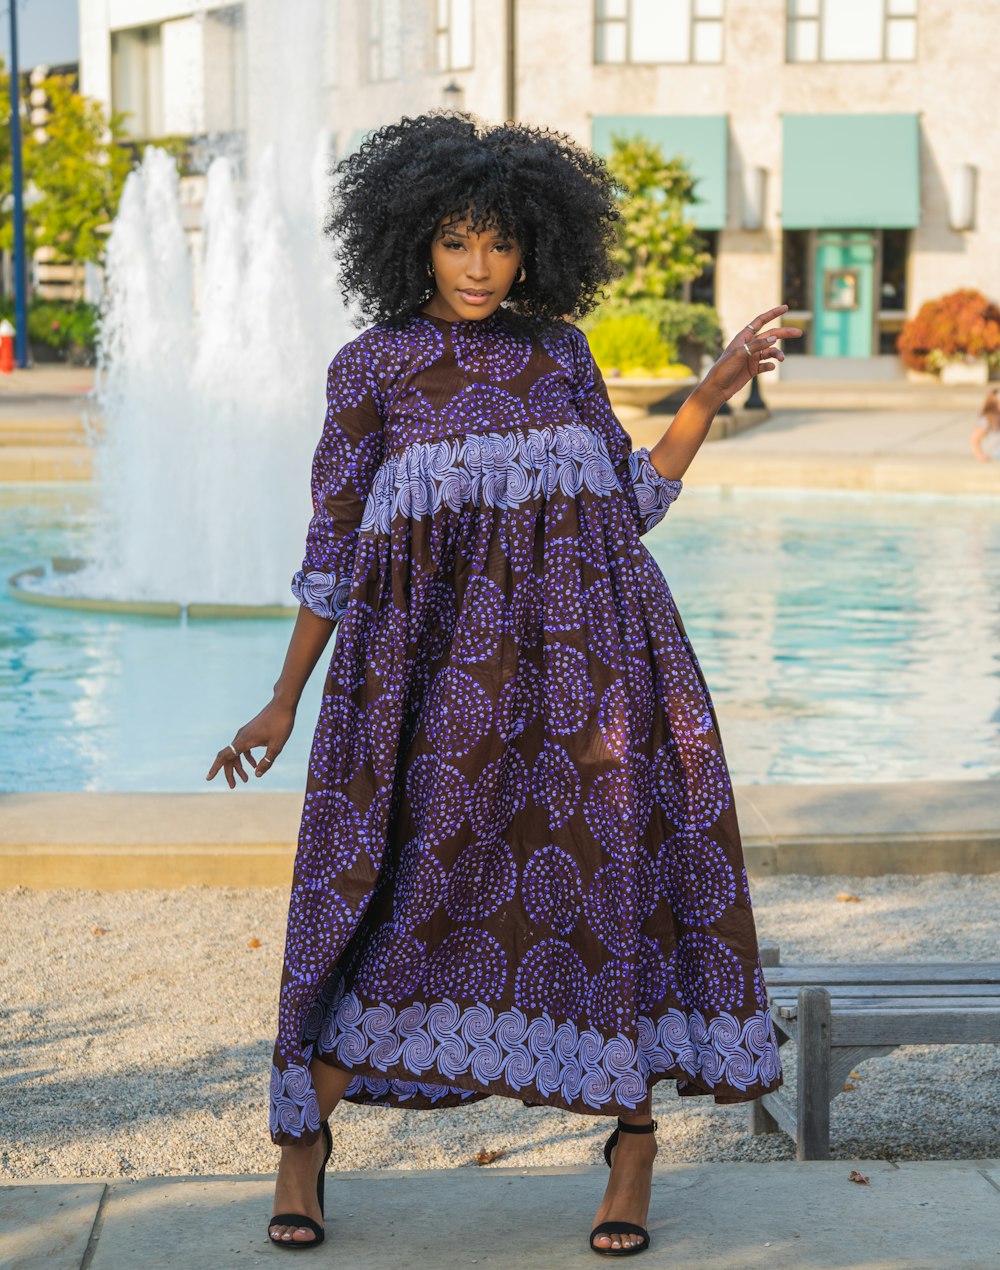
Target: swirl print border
[535,1054]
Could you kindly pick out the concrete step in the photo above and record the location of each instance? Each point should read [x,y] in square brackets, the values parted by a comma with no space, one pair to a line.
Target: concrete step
[120,841]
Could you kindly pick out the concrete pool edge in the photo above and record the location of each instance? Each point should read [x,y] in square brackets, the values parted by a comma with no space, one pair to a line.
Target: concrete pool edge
[124,841]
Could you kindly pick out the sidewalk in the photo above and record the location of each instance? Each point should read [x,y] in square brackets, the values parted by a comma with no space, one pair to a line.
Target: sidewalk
[43,421]
[894,436]
[890,438]
[911,1216]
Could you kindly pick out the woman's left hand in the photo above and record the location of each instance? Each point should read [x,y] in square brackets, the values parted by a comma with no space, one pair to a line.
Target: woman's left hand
[752,351]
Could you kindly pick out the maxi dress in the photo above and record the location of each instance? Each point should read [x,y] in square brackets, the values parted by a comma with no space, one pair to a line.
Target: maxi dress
[519,869]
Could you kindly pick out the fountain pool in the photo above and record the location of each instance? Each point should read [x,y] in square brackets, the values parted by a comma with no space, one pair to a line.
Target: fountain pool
[845,637]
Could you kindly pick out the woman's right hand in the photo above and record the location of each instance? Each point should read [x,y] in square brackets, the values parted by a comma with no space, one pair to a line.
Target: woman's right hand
[270,729]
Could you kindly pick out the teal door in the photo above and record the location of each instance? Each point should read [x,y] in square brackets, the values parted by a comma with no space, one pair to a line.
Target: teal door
[844,295]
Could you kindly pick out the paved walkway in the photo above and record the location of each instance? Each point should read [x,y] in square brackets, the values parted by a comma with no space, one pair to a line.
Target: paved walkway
[895,436]
[910,1216]
[45,415]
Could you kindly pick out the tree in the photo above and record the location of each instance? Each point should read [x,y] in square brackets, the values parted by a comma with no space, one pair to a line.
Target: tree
[659,248]
[73,177]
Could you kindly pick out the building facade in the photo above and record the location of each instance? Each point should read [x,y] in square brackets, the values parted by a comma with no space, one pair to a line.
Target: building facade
[842,165]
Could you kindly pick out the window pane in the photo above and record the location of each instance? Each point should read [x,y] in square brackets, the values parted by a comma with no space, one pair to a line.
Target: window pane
[127,80]
[795,270]
[611,42]
[461,34]
[803,8]
[391,39]
[906,8]
[661,31]
[893,289]
[852,31]
[902,40]
[708,41]
[442,50]
[612,9]
[442,13]
[803,41]
[708,8]
[155,95]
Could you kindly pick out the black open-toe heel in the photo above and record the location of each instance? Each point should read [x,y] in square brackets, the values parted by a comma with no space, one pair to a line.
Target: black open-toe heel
[300,1219]
[626,1227]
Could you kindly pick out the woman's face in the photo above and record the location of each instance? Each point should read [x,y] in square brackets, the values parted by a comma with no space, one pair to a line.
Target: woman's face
[473,271]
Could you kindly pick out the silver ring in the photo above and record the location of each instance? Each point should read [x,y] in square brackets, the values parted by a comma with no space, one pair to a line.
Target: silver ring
[232,747]
[265,759]
[746,349]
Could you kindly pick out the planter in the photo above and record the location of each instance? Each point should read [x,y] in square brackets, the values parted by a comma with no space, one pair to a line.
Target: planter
[975,372]
[644,392]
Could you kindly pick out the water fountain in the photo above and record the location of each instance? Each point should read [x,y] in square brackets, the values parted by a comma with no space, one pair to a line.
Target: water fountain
[212,394]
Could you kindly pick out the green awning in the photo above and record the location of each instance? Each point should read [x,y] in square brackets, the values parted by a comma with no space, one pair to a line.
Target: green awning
[850,172]
[702,140]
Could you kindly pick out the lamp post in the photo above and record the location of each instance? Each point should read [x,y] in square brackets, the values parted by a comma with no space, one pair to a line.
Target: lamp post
[755,401]
[20,270]
[452,96]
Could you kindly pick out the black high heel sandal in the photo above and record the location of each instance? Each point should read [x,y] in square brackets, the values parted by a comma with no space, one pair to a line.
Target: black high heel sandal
[300,1219]
[625,1227]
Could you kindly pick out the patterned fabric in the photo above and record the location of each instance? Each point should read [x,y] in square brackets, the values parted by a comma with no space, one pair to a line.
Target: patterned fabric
[519,869]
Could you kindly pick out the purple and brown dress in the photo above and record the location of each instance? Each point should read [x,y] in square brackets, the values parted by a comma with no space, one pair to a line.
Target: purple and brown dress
[519,869]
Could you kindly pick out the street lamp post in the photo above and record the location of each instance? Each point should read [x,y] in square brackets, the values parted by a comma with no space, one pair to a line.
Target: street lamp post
[20,269]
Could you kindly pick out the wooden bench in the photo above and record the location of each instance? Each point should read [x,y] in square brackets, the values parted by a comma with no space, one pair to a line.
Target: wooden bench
[839,1014]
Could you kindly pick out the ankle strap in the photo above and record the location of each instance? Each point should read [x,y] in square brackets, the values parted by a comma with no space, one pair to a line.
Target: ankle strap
[636,1128]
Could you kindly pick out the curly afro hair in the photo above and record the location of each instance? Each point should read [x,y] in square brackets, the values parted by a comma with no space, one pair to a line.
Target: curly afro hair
[555,198]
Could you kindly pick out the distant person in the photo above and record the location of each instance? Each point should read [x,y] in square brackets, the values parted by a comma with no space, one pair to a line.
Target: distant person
[519,870]
[987,425]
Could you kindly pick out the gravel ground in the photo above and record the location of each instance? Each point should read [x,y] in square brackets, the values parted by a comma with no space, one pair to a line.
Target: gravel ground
[136,1030]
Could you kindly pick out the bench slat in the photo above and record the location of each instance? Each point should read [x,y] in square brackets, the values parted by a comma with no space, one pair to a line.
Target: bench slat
[824,974]
[916,1027]
[956,992]
[945,1004]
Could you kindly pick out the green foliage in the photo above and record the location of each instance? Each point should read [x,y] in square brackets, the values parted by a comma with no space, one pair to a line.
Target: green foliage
[59,324]
[658,248]
[677,322]
[73,179]
[629,342]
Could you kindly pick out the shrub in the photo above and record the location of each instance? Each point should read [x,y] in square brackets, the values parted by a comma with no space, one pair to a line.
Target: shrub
[687,329]
[962,324]
[629,342]
[66,328]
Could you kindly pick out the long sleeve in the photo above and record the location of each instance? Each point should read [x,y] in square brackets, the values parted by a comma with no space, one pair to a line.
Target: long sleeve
[346,459]
[648,492]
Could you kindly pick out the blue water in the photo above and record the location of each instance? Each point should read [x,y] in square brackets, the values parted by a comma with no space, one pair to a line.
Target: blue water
[845,637]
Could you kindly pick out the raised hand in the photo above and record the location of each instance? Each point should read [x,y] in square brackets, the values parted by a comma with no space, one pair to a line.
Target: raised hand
[752,351]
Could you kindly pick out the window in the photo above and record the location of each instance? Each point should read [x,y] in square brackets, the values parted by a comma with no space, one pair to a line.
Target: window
[892,289]
[137,79]
[225,69]
[701,290]
[795,289]
[384,42]
[658,31]
[852,30]
[453,35]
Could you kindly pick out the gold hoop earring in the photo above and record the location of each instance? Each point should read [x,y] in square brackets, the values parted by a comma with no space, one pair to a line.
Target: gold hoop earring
[522,273]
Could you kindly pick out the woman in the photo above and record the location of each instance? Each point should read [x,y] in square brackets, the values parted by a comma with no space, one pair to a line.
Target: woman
[519,869]
[987,424]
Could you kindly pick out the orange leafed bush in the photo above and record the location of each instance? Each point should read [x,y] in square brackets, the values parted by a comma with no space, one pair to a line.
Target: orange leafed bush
[961,324]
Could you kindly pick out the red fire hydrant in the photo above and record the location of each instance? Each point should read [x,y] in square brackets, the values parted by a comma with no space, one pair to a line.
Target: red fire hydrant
[6,348]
